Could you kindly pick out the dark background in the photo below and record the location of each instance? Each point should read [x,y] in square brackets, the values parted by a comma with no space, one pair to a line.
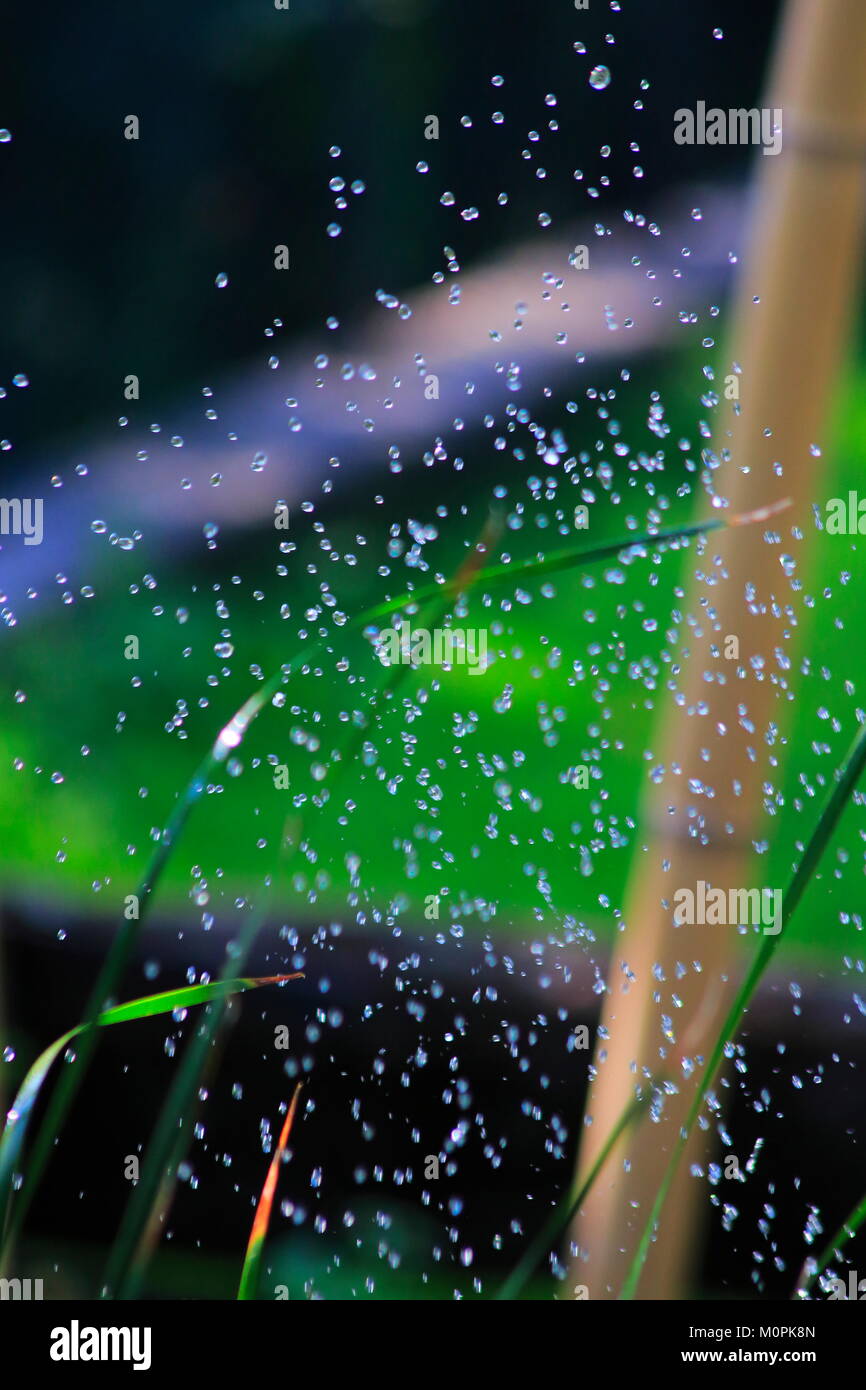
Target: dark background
[110,247]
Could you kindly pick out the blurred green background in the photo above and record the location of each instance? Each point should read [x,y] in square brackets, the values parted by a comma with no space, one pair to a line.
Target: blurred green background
[109,265]
[468,773]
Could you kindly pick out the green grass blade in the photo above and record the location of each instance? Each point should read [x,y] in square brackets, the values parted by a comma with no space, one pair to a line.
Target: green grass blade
[570,557]
[170,1134]
[564,1213]
[125,939]
[149,1006]
[847,778]
[253,1258]
[18,1118]
[813,1268]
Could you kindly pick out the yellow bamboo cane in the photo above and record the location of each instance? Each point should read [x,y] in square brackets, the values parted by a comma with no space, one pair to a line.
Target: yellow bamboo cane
[797,284]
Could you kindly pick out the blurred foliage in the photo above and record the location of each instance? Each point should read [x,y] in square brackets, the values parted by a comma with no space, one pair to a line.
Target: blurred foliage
[110,263]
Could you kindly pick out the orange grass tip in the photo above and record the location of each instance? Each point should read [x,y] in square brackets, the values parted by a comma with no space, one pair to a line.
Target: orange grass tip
[760,513]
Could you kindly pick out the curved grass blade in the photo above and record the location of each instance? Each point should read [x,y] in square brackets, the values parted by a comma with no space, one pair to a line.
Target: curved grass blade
[253,1258]
[149,1006]
[563,1214]
[848,777]
[18,1118]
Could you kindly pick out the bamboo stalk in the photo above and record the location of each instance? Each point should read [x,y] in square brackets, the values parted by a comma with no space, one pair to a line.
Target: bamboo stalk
[802,263]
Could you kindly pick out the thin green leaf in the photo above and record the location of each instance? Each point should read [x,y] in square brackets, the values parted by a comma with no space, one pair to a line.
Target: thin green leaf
[813,1268]
[848,776]
[563,1214]
[149,1006]
[571,557]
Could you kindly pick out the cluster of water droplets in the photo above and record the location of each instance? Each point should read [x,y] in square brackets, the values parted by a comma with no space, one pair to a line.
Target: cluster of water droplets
[474,834]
